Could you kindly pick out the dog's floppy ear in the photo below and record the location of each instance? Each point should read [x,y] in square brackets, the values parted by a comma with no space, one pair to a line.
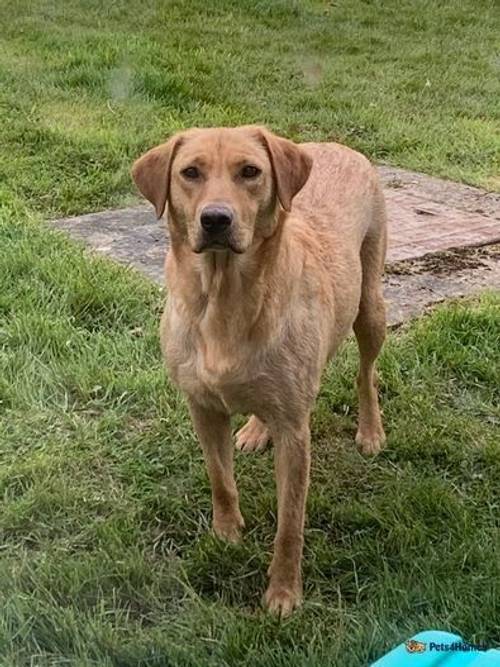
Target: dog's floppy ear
[291,166]
[151,173]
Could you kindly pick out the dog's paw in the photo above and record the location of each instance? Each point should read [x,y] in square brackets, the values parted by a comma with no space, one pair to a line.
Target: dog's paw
[252,437]
[281,600]
[370,442]
[229,529]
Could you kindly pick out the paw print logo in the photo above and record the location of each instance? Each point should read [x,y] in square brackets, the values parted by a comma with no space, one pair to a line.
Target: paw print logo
[414,646]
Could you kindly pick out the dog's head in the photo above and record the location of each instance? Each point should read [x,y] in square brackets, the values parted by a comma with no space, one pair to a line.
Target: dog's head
[222,186]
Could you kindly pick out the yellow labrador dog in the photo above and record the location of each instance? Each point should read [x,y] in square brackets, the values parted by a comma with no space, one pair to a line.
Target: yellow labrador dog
[277,250]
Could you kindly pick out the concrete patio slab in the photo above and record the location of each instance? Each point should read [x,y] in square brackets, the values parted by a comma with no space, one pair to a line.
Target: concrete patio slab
[426,216]
[430,214]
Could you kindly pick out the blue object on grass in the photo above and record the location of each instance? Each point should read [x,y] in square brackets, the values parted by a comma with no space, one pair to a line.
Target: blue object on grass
[434,648]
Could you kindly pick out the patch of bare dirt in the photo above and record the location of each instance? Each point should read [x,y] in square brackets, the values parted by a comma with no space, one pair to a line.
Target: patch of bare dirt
[447,261]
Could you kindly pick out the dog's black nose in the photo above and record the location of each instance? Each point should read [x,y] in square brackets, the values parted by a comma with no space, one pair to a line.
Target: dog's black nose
[216,218]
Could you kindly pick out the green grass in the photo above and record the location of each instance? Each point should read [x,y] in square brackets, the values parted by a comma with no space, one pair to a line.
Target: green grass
[106,558]
[86,86]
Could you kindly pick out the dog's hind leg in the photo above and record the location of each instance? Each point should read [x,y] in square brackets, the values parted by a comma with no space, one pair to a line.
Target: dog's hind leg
[370,328]
[252,437]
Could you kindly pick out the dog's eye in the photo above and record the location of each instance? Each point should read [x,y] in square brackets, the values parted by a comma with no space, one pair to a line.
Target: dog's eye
[249,171]
[191,173]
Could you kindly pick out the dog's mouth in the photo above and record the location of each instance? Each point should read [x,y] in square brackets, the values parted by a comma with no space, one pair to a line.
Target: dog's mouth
[218,245]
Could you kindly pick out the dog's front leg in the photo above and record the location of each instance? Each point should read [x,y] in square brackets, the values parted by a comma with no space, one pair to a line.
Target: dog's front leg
[214,432]
[292,463]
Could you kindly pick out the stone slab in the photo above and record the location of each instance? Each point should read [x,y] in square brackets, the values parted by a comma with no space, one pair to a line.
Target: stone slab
[427,217]
[431,215]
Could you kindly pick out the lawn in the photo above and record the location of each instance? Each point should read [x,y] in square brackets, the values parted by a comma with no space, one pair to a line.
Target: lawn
[106,558]
[85,86]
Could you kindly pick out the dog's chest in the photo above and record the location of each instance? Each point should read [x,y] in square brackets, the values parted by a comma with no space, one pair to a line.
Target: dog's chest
[214,370]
